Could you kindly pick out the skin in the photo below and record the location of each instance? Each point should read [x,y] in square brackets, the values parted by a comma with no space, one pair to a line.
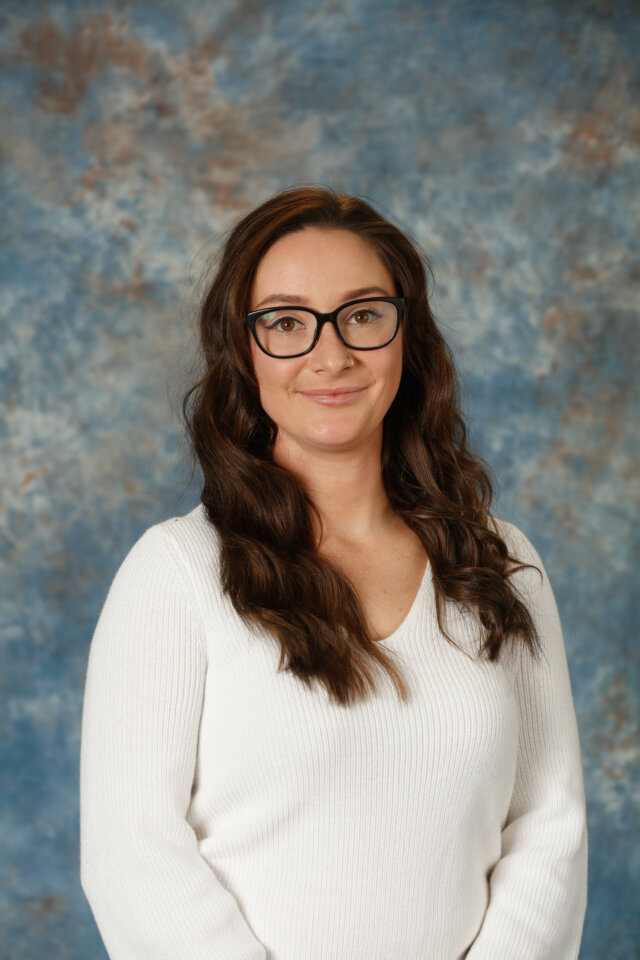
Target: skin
[334,451]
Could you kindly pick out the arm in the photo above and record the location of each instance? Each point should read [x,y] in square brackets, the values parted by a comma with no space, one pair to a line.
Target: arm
[538,888]
[152,895]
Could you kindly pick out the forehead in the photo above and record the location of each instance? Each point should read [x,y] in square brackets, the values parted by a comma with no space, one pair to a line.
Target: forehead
[317,258]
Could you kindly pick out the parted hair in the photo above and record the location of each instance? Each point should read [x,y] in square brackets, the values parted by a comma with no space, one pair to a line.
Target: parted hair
[270,567]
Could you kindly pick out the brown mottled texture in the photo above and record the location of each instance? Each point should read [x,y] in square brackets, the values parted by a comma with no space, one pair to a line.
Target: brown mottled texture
[505,137]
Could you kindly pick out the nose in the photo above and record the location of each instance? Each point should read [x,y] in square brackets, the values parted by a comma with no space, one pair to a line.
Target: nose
[329,352]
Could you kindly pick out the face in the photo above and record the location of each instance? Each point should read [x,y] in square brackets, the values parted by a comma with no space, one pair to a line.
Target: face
[323,269]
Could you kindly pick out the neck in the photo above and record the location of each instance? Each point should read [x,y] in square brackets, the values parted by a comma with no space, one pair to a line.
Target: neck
[345,486]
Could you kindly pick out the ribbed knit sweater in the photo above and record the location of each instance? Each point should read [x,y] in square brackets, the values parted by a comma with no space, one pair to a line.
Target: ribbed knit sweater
[228,812]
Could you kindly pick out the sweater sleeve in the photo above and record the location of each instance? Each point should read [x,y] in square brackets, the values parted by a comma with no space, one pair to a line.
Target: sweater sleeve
[538,887]
[152,895]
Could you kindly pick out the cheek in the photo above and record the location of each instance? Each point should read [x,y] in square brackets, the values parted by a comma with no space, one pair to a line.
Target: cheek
[273,376]
[263,369]
[390,369]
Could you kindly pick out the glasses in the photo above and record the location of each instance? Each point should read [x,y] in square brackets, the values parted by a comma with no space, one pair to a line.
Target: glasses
[293,331]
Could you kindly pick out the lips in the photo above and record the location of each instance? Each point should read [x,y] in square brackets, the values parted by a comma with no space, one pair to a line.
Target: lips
[335,392]
[337,397]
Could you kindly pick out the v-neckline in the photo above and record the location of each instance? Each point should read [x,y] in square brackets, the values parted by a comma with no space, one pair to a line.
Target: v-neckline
[409,618]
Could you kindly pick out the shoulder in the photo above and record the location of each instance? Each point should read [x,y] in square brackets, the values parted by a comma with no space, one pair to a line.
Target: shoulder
[530,581]
[517,542]
[190,536]
[180,548]
[192,544]
[533,583]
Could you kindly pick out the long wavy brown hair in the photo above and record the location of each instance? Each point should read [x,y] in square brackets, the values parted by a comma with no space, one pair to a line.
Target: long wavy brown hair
[269,563]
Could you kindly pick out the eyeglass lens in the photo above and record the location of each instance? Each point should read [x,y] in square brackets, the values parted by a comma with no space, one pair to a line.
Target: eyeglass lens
[285,332]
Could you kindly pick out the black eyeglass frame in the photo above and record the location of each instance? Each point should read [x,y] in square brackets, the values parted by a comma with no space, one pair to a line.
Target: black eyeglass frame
[322,318]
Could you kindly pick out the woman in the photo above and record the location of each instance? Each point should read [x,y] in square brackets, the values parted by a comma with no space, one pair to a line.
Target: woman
[328,712]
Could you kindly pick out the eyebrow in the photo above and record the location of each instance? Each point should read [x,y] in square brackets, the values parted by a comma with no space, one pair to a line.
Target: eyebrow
[294,298]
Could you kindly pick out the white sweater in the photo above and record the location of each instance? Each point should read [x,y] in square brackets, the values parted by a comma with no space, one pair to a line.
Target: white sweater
[230,813]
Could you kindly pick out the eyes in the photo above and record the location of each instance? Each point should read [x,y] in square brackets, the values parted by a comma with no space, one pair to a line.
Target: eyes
[290,322]
[292,331]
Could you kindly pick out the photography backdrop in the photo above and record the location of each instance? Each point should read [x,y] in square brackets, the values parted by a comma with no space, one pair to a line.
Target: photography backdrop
[504,136]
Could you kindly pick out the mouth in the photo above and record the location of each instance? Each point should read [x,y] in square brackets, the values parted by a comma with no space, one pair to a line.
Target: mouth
[334,397]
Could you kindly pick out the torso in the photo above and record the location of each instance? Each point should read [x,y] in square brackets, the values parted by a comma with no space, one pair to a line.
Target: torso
[386,574]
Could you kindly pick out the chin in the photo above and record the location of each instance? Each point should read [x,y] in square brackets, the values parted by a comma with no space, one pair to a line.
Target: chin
[337,439]
[326,436]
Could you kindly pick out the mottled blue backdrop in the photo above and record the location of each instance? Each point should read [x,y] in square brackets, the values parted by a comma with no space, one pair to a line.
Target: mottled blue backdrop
[504,136]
